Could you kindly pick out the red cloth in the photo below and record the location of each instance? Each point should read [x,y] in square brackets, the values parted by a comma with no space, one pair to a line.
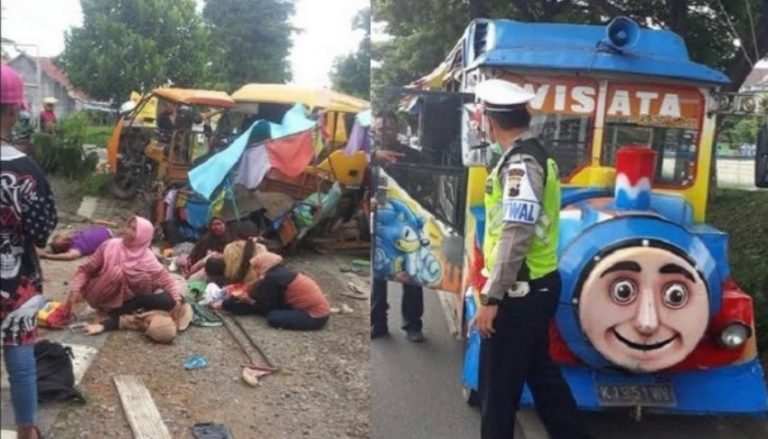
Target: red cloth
[58,319]
[291,154]
[47,116]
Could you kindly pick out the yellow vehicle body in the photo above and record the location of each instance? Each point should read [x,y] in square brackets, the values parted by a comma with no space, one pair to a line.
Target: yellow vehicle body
[334,103]
[346,169]
[145,113]
[311,97]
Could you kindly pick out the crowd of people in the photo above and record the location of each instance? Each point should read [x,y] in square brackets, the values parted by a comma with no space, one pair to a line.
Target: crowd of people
[122,279]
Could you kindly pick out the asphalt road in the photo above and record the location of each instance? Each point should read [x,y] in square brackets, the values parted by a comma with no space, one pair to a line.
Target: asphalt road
[416,394]
[416,387]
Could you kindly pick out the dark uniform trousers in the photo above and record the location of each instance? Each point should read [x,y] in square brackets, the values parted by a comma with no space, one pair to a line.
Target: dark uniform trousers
[412,306]
[518,352]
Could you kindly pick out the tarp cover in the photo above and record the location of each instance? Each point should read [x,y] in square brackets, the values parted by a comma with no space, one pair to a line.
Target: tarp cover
[206,177]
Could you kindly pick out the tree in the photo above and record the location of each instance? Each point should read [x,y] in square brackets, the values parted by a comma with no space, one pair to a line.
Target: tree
[352,73]
[709,28]
[424,31]
[252,39]
[136,44]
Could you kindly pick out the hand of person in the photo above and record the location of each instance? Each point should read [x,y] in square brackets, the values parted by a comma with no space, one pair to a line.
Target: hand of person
[484,319]
[93,329]
[72,299]
[403,277]
[177,311]
[386,157]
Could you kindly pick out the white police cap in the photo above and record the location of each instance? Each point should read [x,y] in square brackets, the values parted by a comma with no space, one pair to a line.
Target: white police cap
[501,95]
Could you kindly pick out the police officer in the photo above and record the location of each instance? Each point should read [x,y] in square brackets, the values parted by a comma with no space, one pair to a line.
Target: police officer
[522,203]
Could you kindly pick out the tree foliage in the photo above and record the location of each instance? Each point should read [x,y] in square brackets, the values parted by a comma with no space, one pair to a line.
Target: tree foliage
[425,31]
[136,44]
[352,73]
[252,40]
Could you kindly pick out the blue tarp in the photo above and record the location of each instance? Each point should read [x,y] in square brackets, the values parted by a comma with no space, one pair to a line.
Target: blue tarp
[206,177]
[364,118]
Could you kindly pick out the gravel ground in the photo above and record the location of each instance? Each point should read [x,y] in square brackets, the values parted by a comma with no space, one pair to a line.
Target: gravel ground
[322,391]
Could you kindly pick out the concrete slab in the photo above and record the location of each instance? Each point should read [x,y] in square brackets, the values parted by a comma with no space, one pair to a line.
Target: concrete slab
[83,357]
[87,207]
[85,349]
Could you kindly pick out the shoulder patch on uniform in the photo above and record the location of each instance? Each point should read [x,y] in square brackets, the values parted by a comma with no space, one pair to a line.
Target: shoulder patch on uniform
[514,180]
[519,203]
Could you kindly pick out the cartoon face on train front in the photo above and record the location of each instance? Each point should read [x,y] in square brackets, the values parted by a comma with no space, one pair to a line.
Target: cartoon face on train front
[644,308]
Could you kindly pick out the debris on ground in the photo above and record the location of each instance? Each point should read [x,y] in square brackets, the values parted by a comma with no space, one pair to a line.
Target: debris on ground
[354,291]
[140,409]
[210,430]
[195,362]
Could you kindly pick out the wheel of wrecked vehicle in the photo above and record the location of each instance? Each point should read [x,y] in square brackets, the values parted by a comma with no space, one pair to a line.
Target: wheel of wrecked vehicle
[471,397]
[123,187]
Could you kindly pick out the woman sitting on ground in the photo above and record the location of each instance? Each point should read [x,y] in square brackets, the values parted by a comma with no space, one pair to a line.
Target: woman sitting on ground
[289,299]
[211,244]
[237,260]
[72,246]
[124,276]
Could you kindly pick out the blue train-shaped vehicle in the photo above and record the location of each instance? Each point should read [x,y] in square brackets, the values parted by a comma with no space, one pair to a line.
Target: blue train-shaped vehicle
[649,313]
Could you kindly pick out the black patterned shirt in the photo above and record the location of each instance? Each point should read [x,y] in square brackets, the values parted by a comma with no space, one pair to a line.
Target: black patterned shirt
[27,218]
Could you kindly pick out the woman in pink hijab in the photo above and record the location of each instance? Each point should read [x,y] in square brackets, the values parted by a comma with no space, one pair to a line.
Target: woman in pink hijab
[123,276]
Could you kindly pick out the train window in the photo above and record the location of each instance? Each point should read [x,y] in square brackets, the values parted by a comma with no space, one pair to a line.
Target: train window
[566,137]
[675,148]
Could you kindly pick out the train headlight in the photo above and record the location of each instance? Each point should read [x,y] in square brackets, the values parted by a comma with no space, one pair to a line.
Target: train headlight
[735,335]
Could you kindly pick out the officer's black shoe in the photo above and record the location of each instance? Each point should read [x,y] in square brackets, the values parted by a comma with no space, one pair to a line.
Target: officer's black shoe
[415,336]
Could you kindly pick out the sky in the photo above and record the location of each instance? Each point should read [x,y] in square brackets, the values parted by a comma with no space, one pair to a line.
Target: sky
[327,32]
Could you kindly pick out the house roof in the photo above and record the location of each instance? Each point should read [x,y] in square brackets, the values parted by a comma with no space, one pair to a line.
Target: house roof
[59,76]
[56,74]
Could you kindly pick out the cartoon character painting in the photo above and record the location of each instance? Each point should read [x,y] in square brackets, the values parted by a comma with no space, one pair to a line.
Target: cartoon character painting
[644,308]
[402,247]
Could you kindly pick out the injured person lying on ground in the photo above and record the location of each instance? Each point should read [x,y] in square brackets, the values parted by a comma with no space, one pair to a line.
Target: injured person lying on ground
[287,298]
[124,276]
[73,246]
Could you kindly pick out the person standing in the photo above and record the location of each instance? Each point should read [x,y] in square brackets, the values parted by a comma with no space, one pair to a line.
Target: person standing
[48,120]
[22,134]
[520,296]
[27,218]
[412,306]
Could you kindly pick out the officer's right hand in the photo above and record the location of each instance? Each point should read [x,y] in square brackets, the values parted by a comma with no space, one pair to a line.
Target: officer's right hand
[484,319]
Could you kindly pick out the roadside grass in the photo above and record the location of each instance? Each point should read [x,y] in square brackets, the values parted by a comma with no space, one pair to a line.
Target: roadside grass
[97,135]
[744,216]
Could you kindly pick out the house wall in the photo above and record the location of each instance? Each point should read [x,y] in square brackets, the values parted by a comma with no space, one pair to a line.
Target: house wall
[27,69]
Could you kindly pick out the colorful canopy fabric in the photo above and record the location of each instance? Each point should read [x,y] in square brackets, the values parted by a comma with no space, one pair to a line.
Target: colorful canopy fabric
[208,176]
[360,138]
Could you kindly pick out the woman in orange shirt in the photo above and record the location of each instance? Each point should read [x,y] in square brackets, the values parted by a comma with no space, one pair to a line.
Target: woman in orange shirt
[288,298]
